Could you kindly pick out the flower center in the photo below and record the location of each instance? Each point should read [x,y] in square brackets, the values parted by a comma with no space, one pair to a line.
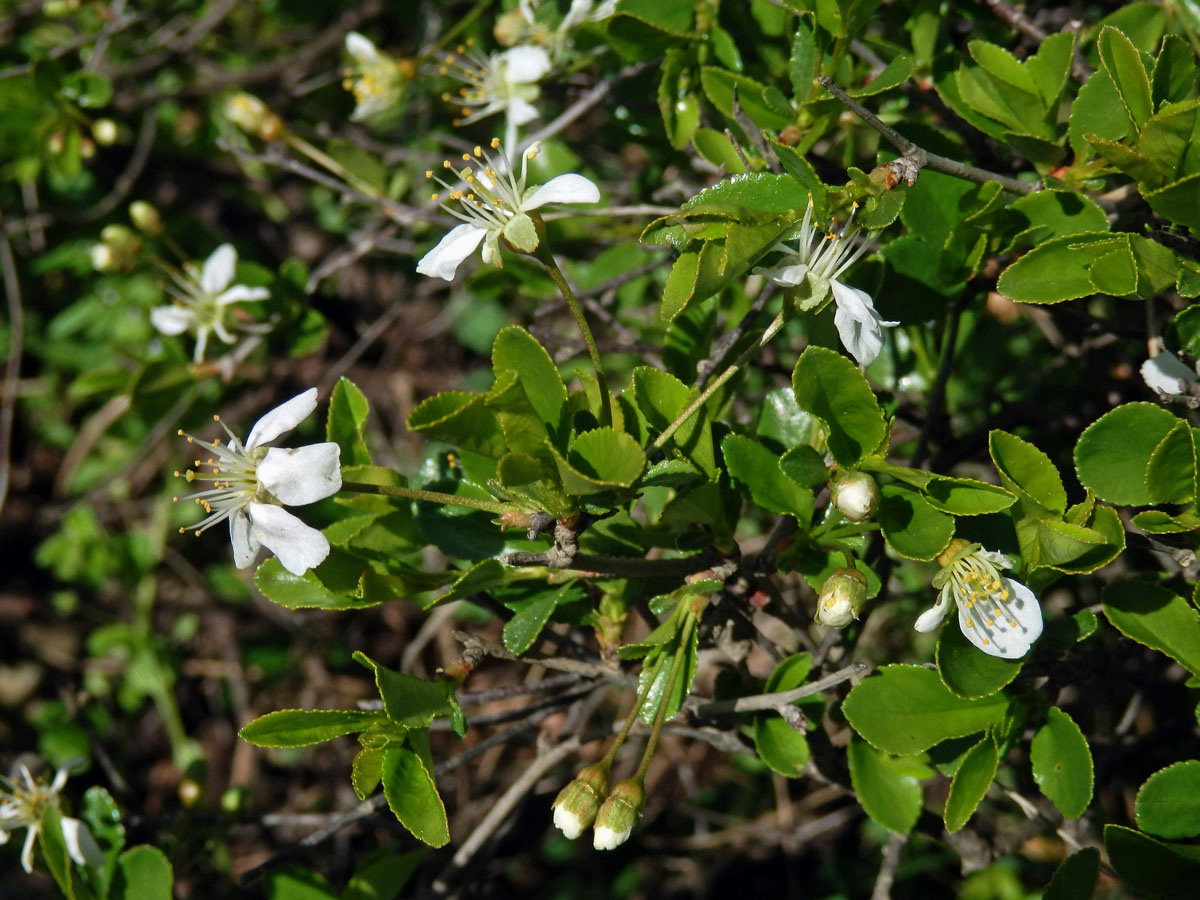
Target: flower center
[493,193]
[233,475]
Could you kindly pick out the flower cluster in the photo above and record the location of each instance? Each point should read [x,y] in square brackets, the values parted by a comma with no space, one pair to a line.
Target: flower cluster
[376,80]
[997,614]
[495,203]
[501,82]
[816,262]
[22,804]
[203,300]
[251,482]
[579,806]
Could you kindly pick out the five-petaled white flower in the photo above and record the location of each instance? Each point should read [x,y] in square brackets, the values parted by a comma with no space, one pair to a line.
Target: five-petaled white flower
[250,482]
[495,204]
[1000,616]
[376,80]
[817,260]
[202,301]
[502,82]
[22,806]
[1166,373]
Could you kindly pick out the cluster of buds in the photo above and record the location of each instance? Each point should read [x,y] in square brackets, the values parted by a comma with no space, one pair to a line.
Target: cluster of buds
[579,806]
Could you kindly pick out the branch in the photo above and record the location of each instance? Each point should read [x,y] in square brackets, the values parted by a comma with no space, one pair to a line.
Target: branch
[920,157]
[16,339]
[781,699]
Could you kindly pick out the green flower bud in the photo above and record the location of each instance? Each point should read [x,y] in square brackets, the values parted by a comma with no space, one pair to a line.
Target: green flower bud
[842,596]
[145,217]
[856,496]
[105,132]
[576,804]
[251,115]
[619,814]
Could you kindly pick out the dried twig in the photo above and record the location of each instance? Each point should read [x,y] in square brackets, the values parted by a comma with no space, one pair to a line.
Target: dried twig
[780,699]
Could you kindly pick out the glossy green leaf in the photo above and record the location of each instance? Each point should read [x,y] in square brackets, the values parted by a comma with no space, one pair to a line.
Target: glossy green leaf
[805,466]
[143,873]
[1027,471]
[1157,617]
[886,786]
[366,771]
[516,350]
[910,524]
[831,387]
[969,673]
[754,98]
[1062,763]
[1171,470]
[1045,215]
[461,420]
[530,615]
[1112,453]
[1097,110]
[483,576]
[54,851]
[347,421]
[1076,876]
[1059,269]
[1124,66]
[384,877]
[1178,201]
[301,727]
[1168,804]
[758,470]
[1174,75]
[971,782]
[965,496]
[894,74]
[677,103]
[407,700]
[1154,868]
[661,397]
[413,797]
[906,709]
[101,814]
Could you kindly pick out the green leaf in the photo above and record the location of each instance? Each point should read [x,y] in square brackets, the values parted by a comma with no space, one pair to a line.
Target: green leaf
[1097,110]
[971,781]
[461,420]
[1154,868]
[54,850]
[1112,453]
[965,496]
[805,466]
[781,747]
[894,74]
[831,387]
[530,616]
[1174,76]
[1062,763]
[607,457]
[516,350]
[754,98]
[1165,139]
[910,525]
[407,700]
[413,797]
[143,873]
[759,471]
[347,421]
[802,64]
[483,576]
[340,583]
[1059,269]
[301,727]
[99,811]
[906,709]
[678,104]
[1044,215]
[1027,471]
[1157,617]
[969,673]
[1002,65]
[885,786]
[1076,876]
[366,771]
[1171,471]
[661,397]
[1179,201]
[1123,64]
[384,877]
[1168,804]
[295,882]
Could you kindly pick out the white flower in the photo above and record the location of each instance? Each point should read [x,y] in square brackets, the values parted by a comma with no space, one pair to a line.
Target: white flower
[1166,373]
[251,480]
[816,262]
[605,838]
[568,822]
[202,302]
[22,805]
[377,81]
[494,205]
[502,82]
[1000,616]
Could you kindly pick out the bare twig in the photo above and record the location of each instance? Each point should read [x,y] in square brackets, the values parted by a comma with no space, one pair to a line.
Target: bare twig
[12,371]
[887,869]
[780,699]
[920,157]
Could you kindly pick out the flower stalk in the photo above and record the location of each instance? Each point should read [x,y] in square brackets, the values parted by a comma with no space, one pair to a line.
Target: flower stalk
[388,490]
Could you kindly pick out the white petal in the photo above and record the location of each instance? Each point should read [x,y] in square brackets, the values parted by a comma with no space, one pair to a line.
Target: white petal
[604,838]
[27,850]
[1007,641]
[304,475]
[245,544]
[996,559]
[787,276]
[520,110]
[361,48]
[171,319]
[218,269]
[523,65]
[81,846]
[858,325]
[3,837]
[443,260]
[568,822]
[240,293]
[570,188]
[298,546]
[932,618]
[1165,371]
[282,418]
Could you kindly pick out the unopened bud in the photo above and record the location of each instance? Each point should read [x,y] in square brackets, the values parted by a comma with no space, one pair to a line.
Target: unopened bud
[87,148]
[576,805]
[145,217]
[56,143]
[105,132]
[619,814]
[103,258]
[856,496]
[251,115]
[841,598]
[510,28]
[121,239]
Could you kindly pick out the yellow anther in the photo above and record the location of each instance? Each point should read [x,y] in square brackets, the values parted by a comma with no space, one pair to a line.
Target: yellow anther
[970,623]
[478,150]
[1013,623]
[433,197]
[429,173]
[495,143]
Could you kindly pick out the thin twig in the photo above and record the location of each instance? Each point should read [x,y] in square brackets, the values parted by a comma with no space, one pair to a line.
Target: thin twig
[887,869]
[922,158]
[12,371]
[589,100]
[780,699]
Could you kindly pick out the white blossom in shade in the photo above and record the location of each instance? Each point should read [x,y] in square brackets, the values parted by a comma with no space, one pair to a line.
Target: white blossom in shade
[503,82]
[494,204]
[250,482]
[23,800]
[817,260]
[999,615]
[1166,373]
[203,301]
[376,80]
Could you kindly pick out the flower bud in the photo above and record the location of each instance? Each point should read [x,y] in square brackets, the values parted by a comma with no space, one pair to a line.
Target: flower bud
[842,596]
[122,240]
[145,217]
[87,148]
[510,28]
[576,804]
[105,132]
[103,258]
[619,814]
[251,115]
[856,496]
